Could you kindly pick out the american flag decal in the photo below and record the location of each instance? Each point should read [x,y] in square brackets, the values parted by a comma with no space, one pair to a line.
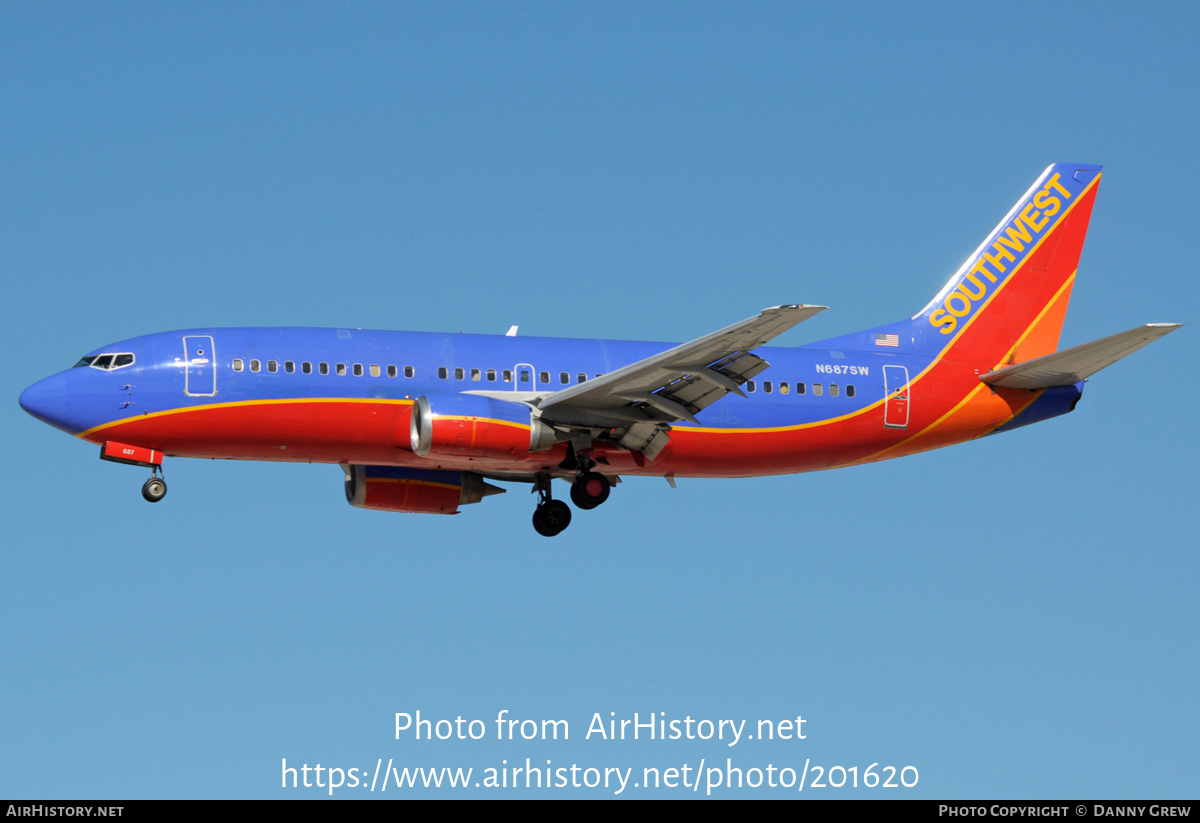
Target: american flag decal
[887,340]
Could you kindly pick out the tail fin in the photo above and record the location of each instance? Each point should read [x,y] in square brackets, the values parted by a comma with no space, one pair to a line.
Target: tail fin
[1007,302]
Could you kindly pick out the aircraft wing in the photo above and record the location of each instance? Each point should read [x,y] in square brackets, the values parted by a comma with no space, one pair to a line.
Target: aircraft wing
[640,400]
[1069,366]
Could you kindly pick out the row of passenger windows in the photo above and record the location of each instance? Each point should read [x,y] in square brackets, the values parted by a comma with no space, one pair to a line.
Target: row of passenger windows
[801,388]
[506,375]
[289,366]
[525,376]
[443,373]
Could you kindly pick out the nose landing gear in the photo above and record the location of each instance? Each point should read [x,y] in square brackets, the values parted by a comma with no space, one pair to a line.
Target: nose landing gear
[154,489]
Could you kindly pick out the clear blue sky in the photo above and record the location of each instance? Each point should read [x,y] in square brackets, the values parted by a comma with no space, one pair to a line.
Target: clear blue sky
[1014,617]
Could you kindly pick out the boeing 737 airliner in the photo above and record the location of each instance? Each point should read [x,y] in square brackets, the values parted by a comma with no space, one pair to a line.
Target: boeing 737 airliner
[420,422]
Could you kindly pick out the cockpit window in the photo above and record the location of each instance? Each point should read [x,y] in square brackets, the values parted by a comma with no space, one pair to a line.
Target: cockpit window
[106,361]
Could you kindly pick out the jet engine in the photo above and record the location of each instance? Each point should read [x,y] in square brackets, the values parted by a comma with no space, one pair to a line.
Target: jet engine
[394,489]
[467,425]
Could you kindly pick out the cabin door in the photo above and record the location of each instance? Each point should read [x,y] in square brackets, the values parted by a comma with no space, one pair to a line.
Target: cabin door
[200,366]
[895,403]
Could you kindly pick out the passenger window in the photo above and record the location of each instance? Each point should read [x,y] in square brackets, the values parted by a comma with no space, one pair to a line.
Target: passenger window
[306,367]
[408,371]
[442,372]
[767,386]
[323,368]
[272,366]
[491,375]
[834,390]
[564,378]
[238,365]
[506,376]
[849,391]
[750,386]
[783,388]
[526,376]
[801,388]
[476,375]
[459,374]
[341,369]
[289,366]
[392,371]
[358,370]
[817,390]
[581,377]
[255,365]
[545,378]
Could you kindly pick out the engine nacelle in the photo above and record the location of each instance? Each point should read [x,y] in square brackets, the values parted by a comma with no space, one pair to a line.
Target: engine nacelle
[394,489]
[467,425]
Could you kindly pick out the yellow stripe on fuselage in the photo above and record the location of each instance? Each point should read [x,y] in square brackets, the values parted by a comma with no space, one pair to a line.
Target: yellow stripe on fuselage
[237,403]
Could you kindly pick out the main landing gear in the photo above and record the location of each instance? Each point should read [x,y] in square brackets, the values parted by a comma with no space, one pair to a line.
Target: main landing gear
[551,517]
[589,490]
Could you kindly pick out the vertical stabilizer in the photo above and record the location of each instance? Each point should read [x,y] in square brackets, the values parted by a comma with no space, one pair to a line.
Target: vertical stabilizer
[1007,302]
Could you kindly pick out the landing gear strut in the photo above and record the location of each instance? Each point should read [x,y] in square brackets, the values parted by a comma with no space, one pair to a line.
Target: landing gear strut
[551,516]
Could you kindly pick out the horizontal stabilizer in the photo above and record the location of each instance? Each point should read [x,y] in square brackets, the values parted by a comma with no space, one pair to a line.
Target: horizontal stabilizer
[1068,367]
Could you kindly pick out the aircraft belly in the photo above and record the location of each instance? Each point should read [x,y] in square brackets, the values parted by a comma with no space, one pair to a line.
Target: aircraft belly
[375,431]
[312,430]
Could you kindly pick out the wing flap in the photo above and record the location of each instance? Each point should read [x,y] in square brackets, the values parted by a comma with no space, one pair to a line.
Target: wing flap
[637,403]
[1068,367]
[647,438]
[694,374]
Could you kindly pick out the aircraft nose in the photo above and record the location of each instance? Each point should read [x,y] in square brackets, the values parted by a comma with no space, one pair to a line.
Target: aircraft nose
[46,400]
